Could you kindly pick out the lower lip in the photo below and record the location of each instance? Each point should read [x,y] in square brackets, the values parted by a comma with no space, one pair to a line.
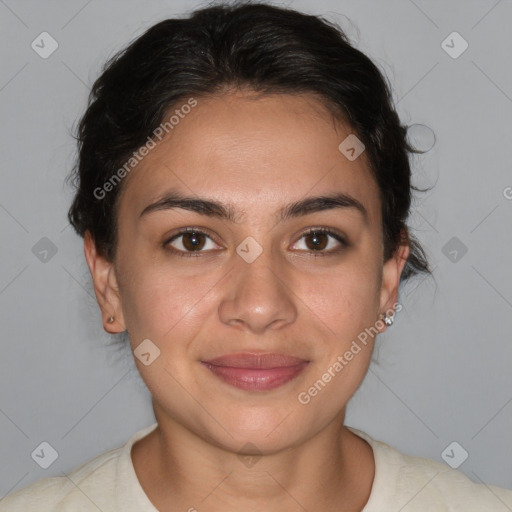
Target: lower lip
[256,379]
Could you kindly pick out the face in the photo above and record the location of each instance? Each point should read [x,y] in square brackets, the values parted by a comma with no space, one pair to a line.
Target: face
[250,276]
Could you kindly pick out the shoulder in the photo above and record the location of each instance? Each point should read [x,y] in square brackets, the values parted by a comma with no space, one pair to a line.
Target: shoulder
[428,482]
[89,487]
[420,484]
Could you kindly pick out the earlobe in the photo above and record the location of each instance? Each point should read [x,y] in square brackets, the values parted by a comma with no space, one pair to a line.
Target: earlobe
[391,272]
[105,286]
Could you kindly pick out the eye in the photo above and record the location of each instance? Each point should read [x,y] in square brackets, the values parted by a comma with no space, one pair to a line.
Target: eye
[193,240]
[317,240]
[189,241]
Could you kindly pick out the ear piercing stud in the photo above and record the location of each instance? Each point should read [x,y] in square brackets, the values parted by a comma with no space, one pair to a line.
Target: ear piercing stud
[388,319]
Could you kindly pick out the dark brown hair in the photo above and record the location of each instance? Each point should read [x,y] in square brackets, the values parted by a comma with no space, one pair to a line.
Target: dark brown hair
[243,45]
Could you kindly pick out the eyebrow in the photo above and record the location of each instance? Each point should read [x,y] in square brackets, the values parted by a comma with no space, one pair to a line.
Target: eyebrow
[216,209]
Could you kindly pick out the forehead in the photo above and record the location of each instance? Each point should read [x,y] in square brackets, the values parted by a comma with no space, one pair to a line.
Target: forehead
[254,152]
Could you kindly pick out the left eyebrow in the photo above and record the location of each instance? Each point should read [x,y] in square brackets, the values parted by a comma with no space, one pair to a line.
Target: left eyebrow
[228,213]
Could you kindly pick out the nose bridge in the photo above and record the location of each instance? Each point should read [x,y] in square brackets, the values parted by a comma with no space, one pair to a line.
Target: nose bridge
[258,275]
[257,295]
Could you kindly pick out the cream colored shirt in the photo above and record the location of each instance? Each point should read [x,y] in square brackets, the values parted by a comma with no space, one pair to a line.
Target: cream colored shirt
[402,483]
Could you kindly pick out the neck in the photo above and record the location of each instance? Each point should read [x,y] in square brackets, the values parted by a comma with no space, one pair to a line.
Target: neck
[333,471]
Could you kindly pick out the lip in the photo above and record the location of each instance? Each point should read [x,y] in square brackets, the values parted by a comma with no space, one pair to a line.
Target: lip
[256,371]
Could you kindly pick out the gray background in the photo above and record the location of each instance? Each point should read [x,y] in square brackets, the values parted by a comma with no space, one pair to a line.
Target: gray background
[443,371]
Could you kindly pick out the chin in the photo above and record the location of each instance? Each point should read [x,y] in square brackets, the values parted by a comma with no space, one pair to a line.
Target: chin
[267,432]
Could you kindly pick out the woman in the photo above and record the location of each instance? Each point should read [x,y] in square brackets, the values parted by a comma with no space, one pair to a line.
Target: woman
[243,186]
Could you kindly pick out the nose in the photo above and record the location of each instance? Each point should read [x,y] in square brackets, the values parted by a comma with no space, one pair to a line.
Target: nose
[258,297]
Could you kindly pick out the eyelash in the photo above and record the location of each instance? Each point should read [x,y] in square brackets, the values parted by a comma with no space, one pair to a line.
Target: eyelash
[310,231]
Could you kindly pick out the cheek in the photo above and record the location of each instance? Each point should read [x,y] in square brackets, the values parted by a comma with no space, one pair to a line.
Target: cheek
[341,308]
[169,310]
[345,299]
[158,303]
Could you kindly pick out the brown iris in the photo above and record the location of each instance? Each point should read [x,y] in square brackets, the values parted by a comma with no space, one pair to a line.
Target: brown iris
[193,240]
[316,237]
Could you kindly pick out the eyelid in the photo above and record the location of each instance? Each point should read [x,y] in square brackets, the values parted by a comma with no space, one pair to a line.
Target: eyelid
[333,233]
[189,229]
[329,231]
[184,231]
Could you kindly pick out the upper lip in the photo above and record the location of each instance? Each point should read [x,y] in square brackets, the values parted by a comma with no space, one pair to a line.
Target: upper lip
[256,360]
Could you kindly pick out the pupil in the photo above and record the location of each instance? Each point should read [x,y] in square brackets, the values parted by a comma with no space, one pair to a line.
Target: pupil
[317,242]
[191,240]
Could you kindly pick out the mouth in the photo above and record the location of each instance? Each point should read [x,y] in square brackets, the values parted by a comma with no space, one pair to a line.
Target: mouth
[256,372]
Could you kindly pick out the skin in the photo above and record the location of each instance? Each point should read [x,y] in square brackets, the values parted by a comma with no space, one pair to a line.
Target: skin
[257,154]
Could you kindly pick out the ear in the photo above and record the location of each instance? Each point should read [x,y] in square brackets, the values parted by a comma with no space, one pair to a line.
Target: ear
[105,286]
[391,272]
